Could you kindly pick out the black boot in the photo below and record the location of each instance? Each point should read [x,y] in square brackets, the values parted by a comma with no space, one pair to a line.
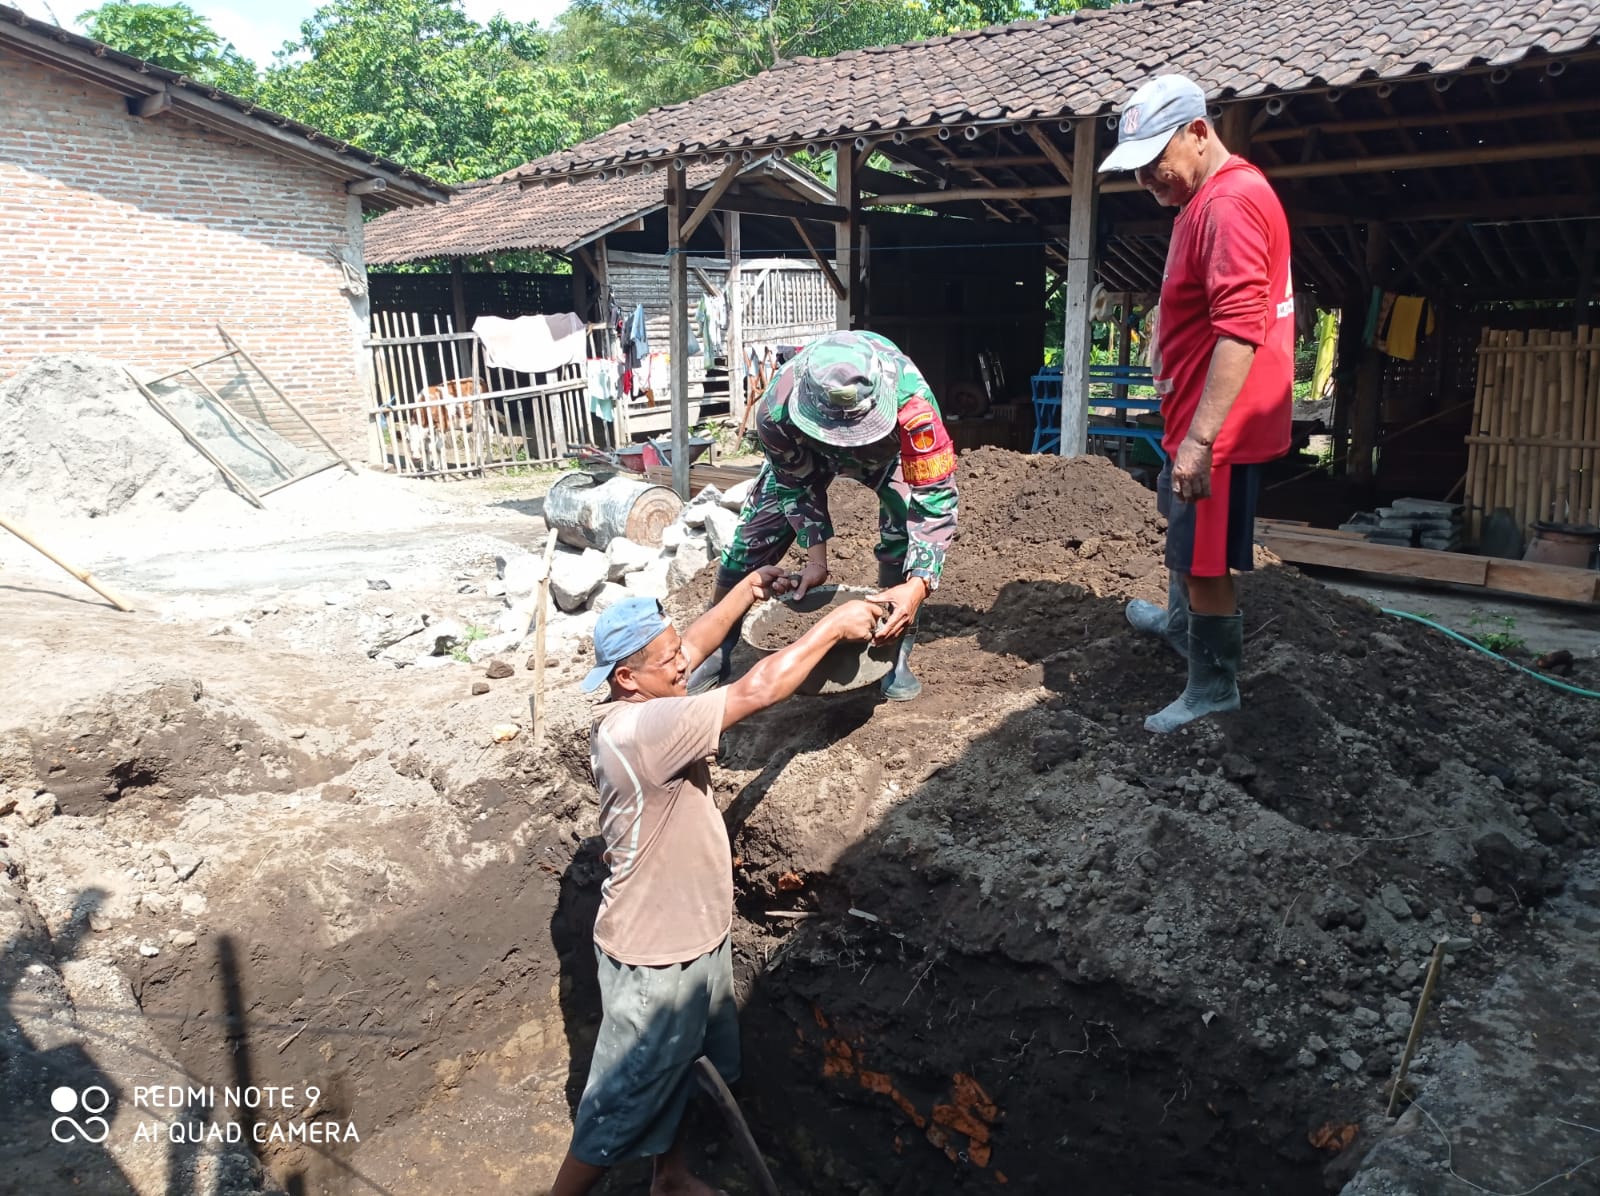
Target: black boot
[1216,645]
[715,668]
[900,685]
[1171,623]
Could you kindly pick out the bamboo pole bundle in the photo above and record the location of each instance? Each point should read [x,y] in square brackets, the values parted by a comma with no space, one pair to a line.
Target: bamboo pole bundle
[1575,475]
[1592,427]
[1538,392]
[1560,503]
[1490,361]
[1494,422]
[1506,426]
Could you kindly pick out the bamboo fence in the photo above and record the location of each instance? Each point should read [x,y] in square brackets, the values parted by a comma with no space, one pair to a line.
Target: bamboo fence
[440,410]
[1534,445]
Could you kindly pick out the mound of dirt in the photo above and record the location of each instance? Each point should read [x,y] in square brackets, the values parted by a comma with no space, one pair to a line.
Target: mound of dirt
[1090,949]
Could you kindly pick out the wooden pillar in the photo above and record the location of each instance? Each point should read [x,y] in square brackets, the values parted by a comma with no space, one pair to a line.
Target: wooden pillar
[678,335]
[734,297]
[580,287]
[1080,282]
[844,237]
[458,311]
[1365,413]
[1235,128]
[1347,364]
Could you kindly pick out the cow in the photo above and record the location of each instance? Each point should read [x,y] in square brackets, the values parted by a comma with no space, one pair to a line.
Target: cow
[433,418]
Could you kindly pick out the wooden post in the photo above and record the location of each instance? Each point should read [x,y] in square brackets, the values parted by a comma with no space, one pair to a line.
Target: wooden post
[734,298]
[580,287]
[541,617]
[1080,282]
[844,237]
[458,312]
[1365,416]
[678,335]
[1235,128]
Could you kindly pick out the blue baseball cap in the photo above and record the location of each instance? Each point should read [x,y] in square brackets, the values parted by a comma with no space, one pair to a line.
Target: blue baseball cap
[1151,116]
[620,632]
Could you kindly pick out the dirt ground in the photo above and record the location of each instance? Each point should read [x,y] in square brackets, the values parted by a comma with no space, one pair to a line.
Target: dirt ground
[998,936]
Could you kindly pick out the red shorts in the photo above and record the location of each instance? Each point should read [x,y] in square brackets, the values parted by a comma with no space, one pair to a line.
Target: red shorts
[1209,537]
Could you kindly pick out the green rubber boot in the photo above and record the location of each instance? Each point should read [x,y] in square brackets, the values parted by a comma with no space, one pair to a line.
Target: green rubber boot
[1170,622]
[1216,645]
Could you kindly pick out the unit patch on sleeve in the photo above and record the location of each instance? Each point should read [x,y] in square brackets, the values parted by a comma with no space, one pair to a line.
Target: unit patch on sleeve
[926,454]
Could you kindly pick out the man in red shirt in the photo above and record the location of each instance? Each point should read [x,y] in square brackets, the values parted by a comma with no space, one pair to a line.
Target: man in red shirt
[1224,366]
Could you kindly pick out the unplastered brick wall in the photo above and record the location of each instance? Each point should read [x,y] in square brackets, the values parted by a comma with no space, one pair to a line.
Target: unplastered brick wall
[135,238]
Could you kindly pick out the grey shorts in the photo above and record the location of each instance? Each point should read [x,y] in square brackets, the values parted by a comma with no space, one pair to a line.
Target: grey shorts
[657,1022]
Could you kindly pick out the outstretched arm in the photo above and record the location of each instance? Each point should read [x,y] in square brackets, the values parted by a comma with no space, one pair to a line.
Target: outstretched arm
[779,675]
[707,632]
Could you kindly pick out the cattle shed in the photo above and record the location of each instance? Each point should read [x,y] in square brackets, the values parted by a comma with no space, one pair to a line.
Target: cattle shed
[142,211]
[613,231]
[1446,151]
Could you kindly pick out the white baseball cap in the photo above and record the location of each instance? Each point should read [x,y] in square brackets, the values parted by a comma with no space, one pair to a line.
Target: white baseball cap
[1158,109]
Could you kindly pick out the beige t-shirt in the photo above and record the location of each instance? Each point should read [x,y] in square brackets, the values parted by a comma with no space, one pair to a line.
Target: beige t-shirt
[669,897]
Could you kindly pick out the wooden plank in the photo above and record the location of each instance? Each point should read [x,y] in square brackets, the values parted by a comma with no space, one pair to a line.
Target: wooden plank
[1530,579]
[1293,527]
[1424,563]
[701,476]
[1539,580]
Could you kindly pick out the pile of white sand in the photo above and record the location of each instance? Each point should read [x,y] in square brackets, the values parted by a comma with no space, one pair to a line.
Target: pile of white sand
[78,440]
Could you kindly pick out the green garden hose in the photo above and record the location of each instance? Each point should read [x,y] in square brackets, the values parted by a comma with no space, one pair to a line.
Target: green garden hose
[1472,643]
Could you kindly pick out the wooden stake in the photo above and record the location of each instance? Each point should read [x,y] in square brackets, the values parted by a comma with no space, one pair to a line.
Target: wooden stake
[540,618]
[1415,1036]
[82,575]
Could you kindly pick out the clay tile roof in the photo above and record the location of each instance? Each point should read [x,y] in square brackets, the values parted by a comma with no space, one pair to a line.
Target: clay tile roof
[1086,62]
[497,215]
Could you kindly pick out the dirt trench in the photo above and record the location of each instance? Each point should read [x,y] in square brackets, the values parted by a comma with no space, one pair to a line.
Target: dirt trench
[995,938]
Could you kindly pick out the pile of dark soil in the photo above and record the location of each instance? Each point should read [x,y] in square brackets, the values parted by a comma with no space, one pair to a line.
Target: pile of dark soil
[1089,953]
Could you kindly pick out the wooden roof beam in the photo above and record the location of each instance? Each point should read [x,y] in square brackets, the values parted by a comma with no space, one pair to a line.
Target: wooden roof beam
[1052,152]
[1431,120]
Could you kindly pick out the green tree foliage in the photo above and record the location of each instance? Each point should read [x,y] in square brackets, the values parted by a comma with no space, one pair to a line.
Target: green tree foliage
[173,36]
[672,50]
[421,82]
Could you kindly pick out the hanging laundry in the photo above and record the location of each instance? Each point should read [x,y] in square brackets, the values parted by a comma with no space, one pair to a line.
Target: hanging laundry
[600,373]
[639,333]
[532,344]
[711,323]
[1405,325]
[1327,350]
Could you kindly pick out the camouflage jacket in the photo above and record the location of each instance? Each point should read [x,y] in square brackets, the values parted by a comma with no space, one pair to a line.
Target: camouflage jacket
[802,467]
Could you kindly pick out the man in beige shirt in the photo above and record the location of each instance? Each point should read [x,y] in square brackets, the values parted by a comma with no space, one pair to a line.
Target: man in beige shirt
[661,936]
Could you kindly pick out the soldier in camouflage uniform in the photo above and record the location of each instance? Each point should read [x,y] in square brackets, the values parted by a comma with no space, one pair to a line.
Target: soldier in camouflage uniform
[848,405]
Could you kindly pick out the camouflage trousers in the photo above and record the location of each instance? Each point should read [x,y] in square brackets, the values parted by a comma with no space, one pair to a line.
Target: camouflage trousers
[765,534]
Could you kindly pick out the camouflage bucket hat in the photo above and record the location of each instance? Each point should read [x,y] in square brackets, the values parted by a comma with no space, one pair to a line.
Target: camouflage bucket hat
[843,395]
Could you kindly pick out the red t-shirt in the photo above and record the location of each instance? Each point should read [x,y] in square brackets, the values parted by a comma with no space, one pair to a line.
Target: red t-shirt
[1228,274]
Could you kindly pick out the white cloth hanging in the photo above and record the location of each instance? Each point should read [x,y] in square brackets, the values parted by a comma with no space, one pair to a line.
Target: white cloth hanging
[532,344]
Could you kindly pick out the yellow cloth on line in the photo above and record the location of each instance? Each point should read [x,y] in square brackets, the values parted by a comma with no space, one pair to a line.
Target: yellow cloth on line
[1404,322]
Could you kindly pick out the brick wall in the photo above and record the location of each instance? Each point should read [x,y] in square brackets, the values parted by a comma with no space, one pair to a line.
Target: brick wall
[134,238]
